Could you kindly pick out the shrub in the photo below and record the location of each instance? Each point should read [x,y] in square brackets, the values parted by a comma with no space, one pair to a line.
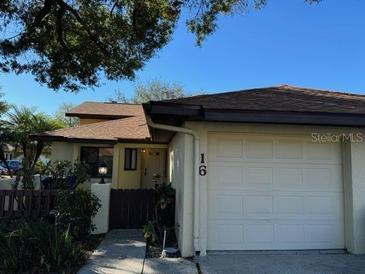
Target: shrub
[35,246]
[64,175]
[76,209]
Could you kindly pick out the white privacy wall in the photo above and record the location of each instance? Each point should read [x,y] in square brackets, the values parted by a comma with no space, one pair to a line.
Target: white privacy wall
[181,173]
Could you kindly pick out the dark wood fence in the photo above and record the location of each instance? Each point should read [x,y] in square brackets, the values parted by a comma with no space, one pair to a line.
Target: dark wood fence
[26,203]
[133,208]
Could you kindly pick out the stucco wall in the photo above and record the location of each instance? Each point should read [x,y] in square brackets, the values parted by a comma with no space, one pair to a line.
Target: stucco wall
[63,151]
[129,179]
[354,177]
[181,177]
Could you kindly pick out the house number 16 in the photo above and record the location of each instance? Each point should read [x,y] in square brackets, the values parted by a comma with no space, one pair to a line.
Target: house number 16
[202,167]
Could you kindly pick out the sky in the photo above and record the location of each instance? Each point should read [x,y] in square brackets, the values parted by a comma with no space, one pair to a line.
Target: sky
[287,42]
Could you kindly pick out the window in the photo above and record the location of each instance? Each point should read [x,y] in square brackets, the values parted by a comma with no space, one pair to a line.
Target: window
[130,159]
[95,156]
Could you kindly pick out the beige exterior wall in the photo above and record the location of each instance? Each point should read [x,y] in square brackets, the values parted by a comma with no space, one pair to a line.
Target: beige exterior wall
[63,151]
[129,179]
[354,179]
[181,177]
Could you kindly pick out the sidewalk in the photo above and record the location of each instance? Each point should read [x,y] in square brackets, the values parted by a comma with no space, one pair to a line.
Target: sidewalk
[122,251]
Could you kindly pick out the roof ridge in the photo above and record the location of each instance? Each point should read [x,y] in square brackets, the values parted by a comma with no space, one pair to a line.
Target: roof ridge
[270,88]
[115,103]
[305,89]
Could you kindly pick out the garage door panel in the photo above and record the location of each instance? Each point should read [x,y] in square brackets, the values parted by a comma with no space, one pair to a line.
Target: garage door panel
[290,234]
[229,235]
[289,175]
[226,176]
[288,150]
[258,205]
[258,175]
[289,204]
[258,149]
[281,194]
[325,204]
[228,206]
[328,152]
[258,233]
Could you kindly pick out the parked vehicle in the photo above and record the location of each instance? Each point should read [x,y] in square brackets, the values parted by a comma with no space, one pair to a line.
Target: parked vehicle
[15,165]
[4,170]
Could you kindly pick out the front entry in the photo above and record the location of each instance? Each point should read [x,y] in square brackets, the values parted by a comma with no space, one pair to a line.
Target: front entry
[153,167]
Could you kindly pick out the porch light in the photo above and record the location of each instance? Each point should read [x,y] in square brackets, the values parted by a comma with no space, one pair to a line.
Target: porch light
[103,170]
[143,150]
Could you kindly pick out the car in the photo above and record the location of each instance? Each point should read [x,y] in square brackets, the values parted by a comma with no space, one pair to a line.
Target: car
[5,171]
[14,165]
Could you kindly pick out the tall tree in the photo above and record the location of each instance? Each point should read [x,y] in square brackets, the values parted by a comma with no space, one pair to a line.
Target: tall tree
[68,43]
[22,123]
[6,135]
[3,105]
[151,91]
[61,115]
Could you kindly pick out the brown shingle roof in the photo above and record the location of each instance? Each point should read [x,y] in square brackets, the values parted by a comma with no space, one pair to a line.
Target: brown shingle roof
[129,128]
[106,109]
[132,128]
[281,98]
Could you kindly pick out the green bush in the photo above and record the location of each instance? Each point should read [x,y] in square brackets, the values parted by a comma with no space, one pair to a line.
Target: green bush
[64,175]
[35,246]
[76,209]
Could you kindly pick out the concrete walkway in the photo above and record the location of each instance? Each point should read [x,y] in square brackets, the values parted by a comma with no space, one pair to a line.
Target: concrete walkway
[309,262]
[122,251]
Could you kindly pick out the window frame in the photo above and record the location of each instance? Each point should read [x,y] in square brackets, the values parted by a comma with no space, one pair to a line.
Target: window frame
[97,175]
[129,152]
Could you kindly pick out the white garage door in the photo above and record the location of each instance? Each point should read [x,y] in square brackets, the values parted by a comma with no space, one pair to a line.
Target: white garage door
[273,192]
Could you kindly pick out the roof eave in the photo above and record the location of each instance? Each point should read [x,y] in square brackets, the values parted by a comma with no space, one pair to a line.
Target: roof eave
[51,138]
[162,111]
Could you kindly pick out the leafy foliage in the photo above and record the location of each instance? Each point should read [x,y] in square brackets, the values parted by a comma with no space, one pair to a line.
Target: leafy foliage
[76,209]
[22,123]
[64,175]
[35,246]
[67,121]
[68,44]
[165,195]
[151,91]
[149,233]
[72,41]
[3,105]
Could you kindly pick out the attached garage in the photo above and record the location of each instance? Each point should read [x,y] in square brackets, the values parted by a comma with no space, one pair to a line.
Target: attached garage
[272,192]
[253,179]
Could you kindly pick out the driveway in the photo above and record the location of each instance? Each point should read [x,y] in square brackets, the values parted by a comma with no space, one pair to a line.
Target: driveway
[282,262]
[122,251]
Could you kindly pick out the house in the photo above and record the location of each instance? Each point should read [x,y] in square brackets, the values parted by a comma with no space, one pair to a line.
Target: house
[9,151]
[278,168]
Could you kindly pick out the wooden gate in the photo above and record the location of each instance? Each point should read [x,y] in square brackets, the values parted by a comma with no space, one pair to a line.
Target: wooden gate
[26,203]
[133,208]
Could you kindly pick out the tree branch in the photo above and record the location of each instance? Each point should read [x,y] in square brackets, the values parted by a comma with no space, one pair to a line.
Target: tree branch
[83,24]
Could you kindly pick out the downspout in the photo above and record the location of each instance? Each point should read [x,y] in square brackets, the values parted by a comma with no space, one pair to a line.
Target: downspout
[196,175]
